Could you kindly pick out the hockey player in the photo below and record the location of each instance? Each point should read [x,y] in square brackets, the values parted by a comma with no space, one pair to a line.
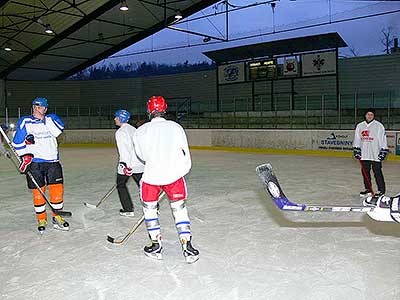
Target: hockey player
[386,208]
[370,146]
[35,141]
[129,165]
[163,146]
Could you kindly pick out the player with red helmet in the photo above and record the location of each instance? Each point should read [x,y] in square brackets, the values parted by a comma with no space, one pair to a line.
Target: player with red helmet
[163,146]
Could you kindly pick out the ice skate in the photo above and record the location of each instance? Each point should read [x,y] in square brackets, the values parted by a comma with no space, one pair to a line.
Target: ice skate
[126,213]
[60,224]
[154,250]
[370,201]
[191,254]
[42,226]
[365,194]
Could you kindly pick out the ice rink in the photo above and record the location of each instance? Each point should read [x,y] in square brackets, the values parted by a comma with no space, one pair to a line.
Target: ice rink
[248,248]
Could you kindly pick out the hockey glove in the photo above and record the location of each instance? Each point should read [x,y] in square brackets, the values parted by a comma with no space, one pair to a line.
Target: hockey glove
[123,168]
[383,154]
[29,139]
[25,163]
[357,153]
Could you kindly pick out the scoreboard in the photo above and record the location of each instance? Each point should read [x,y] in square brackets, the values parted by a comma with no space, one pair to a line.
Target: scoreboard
[264,69]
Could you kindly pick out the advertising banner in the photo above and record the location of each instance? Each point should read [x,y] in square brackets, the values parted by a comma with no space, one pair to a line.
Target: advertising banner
[231,73]
[333,140]
[323,63]
[290,67]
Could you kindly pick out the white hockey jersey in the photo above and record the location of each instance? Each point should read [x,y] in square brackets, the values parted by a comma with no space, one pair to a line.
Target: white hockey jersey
[163,146]
[126,150]
[45,133]
[370,138]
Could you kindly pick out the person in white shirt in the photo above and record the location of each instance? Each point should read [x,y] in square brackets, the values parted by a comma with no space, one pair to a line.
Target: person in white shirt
[370,146]
[129,165]
[35,141]
[163,146]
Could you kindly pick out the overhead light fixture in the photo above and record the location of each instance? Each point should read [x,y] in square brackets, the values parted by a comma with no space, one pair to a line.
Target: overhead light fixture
[178,15]
[7,48]
[48,29]
[124,6]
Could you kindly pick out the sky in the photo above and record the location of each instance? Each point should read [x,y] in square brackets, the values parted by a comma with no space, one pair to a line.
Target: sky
[263,25]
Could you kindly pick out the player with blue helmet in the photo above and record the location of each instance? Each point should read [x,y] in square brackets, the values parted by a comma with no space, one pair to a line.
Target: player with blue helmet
[40,101]
[129,165]
[123,115]
[35,141]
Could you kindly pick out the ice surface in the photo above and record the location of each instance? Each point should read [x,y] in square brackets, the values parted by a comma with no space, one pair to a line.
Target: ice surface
[248,248]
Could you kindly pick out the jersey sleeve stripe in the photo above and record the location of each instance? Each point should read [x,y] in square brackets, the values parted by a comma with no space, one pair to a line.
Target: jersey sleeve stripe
[20,148]
[59,126]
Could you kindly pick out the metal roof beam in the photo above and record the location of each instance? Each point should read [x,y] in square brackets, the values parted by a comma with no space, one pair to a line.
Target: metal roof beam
[4,2]
[54,55]
[46,46]
[97,41]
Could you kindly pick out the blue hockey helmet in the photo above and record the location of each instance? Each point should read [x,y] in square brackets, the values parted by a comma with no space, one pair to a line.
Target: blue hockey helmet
[40,101]
[123,115]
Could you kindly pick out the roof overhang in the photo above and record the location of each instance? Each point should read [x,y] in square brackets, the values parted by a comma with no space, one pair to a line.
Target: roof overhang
[290,46]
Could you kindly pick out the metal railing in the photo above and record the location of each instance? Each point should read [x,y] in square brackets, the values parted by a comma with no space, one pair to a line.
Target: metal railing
[283,111]
[100,116]
[299,112]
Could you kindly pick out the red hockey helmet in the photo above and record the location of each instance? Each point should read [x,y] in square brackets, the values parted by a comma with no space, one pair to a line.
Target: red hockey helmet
[156,104]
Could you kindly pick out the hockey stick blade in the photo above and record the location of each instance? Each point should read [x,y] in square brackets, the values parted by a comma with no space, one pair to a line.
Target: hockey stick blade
[89,205]
[132,230]
[63,213]
[110,191]
[110,239]
[272,187]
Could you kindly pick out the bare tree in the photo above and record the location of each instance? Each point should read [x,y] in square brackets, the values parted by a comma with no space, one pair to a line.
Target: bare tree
[387,39]
[353,50]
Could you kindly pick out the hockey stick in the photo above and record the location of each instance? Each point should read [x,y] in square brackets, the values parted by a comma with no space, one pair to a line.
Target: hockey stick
[56,211]
[102,199]
[364,172]
[271,185]
[132,230]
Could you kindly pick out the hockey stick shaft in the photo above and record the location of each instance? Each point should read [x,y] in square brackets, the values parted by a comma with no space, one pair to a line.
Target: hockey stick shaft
[359,209]
[110,191]
[56,211]
[367,180]
[133,229]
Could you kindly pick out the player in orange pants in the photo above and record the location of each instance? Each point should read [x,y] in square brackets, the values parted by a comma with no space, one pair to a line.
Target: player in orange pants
[35,141]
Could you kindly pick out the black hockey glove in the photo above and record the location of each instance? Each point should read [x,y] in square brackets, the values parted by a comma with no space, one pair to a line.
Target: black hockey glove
[25,164]
[29,139]
[357,153]
[383,154]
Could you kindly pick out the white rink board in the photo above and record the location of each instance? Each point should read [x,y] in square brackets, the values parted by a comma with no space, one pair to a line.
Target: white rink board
[331,140]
